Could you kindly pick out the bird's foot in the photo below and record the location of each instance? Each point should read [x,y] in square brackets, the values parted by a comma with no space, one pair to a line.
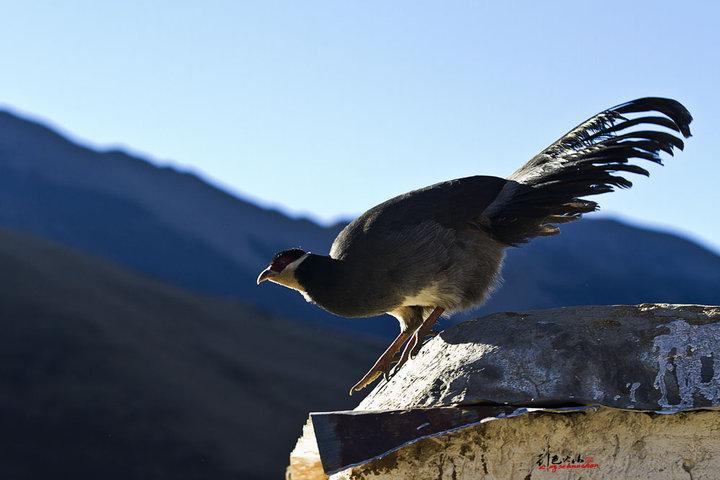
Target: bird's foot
[383,364]
[405,355]
[422,339]
[417,340]
[386,364]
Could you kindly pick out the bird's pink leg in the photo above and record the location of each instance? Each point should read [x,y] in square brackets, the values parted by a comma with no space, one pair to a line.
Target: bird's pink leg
[382,365]
[413,345]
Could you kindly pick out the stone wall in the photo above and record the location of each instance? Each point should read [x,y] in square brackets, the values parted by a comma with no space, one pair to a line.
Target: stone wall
[648,376]
[601,444]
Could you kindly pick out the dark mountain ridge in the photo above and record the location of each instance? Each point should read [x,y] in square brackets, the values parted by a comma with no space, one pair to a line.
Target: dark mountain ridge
[157,220]
[107,374]
[176,227]
[607,262]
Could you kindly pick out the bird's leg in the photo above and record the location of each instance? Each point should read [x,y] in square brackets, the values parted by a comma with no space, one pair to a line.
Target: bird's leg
[414,344]
[426,329]
[382,365]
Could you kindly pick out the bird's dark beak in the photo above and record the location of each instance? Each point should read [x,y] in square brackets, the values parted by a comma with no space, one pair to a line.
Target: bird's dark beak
[265,275]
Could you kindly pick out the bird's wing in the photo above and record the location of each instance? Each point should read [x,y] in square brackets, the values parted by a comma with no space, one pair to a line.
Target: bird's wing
[421,219]
[547,190]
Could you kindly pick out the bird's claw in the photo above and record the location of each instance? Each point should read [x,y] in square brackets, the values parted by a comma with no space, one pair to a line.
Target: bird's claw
[405,353]
[387,375]
[386,365]
[383,365]
[365,381]
[426,337]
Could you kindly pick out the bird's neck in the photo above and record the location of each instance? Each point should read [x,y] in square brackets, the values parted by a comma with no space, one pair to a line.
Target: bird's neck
[330,283]
[319,272]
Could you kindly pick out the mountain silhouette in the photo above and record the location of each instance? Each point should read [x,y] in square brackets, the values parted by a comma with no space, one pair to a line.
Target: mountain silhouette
[162,222]
[107,374]
[175,227]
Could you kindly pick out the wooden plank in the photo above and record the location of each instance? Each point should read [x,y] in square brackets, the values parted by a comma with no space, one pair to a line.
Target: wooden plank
[348,438]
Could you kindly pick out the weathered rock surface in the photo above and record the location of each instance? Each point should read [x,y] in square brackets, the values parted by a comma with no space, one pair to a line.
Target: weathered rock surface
[645,357]
[630,361]
[610,444]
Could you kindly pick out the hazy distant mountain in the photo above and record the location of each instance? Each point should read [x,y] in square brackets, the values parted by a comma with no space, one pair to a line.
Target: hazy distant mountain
[178,228]
[106,374]
[162,222]
[607,262]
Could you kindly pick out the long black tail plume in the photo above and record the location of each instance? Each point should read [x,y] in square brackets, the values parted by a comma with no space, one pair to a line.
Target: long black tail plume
[548,189]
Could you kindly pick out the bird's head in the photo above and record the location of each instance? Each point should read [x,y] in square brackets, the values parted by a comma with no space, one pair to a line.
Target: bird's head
[282,268]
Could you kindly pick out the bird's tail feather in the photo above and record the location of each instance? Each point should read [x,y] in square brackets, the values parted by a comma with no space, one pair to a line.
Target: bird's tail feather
[548,189]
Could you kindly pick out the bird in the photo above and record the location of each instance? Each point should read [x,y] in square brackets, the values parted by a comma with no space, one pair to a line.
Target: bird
[439,249]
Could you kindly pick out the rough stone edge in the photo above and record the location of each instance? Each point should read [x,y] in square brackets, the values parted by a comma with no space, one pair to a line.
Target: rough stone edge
[421,457]
[664,313]
[305,463]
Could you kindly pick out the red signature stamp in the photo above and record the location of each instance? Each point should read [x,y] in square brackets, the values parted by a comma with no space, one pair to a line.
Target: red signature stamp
[549,462]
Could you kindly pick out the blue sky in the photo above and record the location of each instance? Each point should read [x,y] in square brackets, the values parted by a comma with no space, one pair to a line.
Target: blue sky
[327,108]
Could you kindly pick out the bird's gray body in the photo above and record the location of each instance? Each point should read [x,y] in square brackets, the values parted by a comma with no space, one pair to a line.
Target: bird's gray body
[425,250]
[443,246]
[440,249]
